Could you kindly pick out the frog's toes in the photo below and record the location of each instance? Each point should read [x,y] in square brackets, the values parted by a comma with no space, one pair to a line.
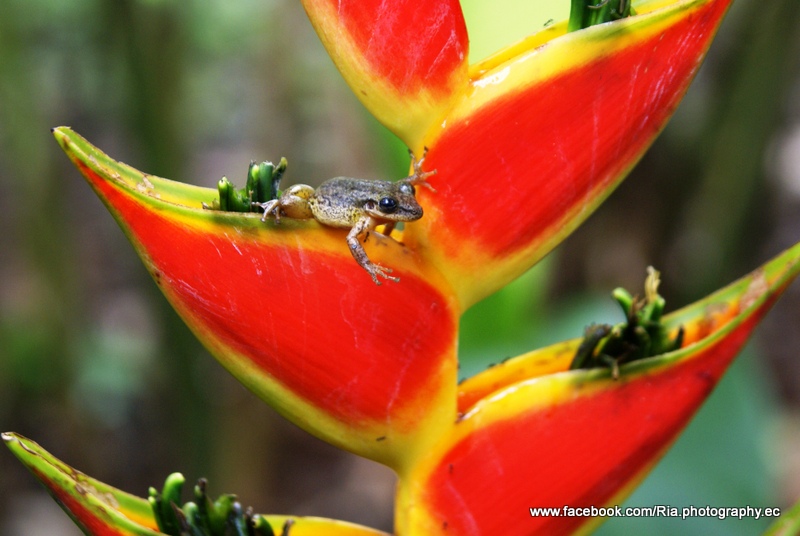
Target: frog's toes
[419,179]
[416,164]
[419,176]
[376,270]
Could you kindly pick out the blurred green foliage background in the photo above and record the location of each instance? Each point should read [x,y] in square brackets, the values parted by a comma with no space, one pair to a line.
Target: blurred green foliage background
[96,367]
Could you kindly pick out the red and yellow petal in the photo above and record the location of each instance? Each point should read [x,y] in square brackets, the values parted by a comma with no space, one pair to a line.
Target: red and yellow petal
[289,312]
[101,510]
[540,362]
[580,438]
[97,508]
[544,134]
[404,59]
[320,526]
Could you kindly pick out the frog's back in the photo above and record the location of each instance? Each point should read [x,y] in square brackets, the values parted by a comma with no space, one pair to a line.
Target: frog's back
[339,202]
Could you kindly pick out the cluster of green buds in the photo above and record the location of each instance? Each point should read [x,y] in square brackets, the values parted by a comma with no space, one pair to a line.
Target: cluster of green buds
[641,335]
[262,185]
[586,13]
[202,517]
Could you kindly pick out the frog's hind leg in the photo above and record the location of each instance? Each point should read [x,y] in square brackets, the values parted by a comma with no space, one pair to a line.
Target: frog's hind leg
[293,203]
[272,207]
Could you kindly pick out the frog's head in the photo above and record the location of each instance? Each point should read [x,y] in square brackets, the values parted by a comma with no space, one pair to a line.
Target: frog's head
[398,203]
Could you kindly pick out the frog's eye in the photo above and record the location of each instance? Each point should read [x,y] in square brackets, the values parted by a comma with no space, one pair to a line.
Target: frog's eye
[407,188]
[387,205]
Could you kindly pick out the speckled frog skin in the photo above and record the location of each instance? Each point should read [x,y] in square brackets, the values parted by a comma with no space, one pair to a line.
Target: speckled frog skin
[355,204]
[342,201]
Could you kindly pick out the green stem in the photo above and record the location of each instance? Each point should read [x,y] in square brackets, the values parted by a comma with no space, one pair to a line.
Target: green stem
[577,11]
[586,13]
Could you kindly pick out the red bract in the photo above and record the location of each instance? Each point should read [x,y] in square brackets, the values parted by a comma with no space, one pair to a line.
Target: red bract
[578,438]
[405,60]
[525,144]
[289,312]
[101,510]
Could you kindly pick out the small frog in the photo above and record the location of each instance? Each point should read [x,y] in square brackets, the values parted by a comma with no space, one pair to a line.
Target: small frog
[355,204]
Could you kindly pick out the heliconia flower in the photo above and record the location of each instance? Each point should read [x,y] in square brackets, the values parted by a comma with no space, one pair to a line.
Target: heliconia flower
[525,145]
[101,510]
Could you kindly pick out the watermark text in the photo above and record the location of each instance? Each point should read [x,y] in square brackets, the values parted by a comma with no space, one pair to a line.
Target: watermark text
[661,510]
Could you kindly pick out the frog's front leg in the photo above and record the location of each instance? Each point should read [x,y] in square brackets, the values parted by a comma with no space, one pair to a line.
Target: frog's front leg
[364,226]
